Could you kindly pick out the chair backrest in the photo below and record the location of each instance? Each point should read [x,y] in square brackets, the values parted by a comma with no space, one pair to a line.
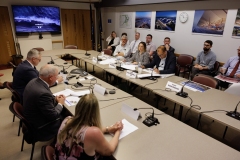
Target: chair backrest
[206,80]
[107,52]
[216,66]
[47,152]
[70,47]
[184,59]
[39,49]
[15,96]
[18,110]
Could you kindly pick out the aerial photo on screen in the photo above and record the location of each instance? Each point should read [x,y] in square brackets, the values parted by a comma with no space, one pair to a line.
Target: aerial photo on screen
[236,28]
[36,19]
[209,21]
[143,20]
[165,20]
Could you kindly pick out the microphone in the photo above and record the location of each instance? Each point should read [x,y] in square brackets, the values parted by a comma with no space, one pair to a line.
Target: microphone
[64,71]
[149,121]
[87,54]
[181,93]
[234,114]
[151,77]
[51,62]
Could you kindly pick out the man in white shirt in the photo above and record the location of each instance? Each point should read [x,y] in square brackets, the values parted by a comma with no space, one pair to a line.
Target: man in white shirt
[122,50]
[134,44]
[150,46]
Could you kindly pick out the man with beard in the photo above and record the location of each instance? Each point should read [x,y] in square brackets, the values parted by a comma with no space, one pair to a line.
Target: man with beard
[205,60]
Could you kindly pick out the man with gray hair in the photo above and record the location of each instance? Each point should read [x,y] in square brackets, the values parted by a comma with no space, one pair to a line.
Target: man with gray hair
[122,50]
[40,107]
[134,44]
[26,71]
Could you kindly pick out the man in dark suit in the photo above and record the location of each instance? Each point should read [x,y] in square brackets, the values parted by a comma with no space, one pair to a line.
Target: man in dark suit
[169,48]
[40,107]
[26,71]
[165,62]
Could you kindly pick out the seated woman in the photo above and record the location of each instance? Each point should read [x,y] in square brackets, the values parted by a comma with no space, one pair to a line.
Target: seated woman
[113,41]
[81,137]
[140,56]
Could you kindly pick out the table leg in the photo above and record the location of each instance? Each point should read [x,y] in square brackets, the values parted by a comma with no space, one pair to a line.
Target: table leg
[86,66]
[180,113]
[225,131]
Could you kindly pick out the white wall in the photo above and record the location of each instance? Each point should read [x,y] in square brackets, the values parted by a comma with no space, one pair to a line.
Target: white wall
[62,5]
[182,39]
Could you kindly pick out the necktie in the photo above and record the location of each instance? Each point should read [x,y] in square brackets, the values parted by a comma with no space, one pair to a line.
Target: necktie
[234,69]
[34,67]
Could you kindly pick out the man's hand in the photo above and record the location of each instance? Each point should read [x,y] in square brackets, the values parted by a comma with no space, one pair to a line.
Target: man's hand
[237,75]
[167,47]
[157,71]
[61,99]
[142,66]
[200,67]
[120,54]
[60,79]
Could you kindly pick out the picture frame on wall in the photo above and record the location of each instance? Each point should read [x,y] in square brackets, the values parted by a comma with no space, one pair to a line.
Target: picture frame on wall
[143,19]
[125,20]
[209,22]
[236,27]
[165,20]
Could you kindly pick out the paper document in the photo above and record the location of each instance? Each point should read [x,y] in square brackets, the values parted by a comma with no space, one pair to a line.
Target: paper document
[71,100]
[227,79]
[148,75]
[127,128]
[129,66]
[65,92]
[107,61]
[195,86]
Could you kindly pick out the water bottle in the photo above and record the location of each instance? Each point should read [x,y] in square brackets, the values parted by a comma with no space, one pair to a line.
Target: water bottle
[139,64]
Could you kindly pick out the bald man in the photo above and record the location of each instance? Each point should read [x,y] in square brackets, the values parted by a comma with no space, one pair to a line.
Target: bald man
[40,106]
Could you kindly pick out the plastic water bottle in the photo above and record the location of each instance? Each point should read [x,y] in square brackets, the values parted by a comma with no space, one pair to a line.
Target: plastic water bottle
[139,64]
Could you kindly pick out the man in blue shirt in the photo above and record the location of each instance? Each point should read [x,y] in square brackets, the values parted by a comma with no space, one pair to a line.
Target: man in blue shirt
[205,60]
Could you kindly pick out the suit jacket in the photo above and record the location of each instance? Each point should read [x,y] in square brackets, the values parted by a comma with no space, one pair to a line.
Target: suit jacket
[40,107]
[171,50]
[170,64]
[22,75]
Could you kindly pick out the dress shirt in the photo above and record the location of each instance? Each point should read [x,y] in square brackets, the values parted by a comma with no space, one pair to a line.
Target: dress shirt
[124,49]
[151,47]
[134,45]
[206,59]
[162,64]
[231,63]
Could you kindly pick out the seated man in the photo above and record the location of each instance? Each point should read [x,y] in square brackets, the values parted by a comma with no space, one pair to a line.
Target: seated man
[151,48]
[205,60]
[231,69]
[169,48]
[123,50]
[134,44]
[165,62]
[40,107]
[26,71]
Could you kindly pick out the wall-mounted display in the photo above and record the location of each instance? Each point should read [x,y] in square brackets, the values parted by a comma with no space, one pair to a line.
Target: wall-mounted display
[143,19]
[209,21]
[165,20]
[236,28]
[125,20]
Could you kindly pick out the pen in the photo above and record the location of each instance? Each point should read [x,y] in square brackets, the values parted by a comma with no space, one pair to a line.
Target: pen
[68,102]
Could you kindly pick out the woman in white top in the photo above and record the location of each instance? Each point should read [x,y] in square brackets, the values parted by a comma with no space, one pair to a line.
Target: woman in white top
[113,41]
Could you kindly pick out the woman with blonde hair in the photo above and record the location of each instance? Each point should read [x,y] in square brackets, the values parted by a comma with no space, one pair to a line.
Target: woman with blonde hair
[113,41]
[81,136]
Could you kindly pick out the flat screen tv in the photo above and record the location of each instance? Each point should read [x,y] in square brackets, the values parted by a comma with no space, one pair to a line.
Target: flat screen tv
[31,19]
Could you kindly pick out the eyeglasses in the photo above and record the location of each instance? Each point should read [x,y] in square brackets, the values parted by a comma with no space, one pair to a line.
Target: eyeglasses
[39,59]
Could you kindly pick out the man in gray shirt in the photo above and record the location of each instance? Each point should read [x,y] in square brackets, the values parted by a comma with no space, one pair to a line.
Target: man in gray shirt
[205,60]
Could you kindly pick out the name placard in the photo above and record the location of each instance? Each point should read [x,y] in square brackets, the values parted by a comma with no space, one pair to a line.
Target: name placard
[130,112]
[131,74]
[112,65]
[173,86]
[99,89]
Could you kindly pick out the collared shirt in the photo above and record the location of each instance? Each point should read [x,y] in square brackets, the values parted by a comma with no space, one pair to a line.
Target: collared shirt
[151,47]
[134,45]
[30,63]
[206,59]
[137,57]
[231,63]
[162,64]
[124,49]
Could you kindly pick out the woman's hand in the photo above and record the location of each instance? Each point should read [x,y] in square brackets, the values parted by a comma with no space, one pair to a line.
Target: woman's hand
[135,63]
[118,126]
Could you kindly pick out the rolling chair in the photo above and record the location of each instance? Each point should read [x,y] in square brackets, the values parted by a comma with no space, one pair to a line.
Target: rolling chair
[68,57]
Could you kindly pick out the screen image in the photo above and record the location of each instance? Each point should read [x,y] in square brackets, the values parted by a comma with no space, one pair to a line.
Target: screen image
[36,19]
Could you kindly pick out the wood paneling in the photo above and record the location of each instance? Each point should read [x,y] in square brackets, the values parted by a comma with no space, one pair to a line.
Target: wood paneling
[7,46]
[76,28]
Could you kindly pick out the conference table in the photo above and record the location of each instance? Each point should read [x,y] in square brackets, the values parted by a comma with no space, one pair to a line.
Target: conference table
[171,139]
